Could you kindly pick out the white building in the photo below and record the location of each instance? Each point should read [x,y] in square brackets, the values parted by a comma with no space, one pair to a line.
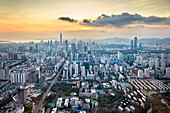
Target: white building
[151,63]
[116,67]
[59,102]
[66,102]
[76,69]
[83,72]
[140,74]
[139,59]
[18,77]
[114,84]
[156,63]
[163,63]
[146,72]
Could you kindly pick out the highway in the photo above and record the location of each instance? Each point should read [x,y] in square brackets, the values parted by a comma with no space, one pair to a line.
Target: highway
[40,103]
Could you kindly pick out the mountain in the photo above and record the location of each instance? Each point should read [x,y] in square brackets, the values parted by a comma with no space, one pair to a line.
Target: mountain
[150,41]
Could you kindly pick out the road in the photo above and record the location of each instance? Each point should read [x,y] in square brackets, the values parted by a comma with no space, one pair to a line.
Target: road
[40,103]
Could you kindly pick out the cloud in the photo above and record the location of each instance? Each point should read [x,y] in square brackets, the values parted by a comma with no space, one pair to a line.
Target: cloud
[67,19]
[4,41]
[124,19]
[86,21]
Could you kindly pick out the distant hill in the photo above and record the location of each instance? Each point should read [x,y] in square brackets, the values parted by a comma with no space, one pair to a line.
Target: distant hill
[151,41]
[116,40]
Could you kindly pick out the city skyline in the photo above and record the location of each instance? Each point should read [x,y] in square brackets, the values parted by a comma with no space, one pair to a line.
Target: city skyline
[84,56]
[25,21]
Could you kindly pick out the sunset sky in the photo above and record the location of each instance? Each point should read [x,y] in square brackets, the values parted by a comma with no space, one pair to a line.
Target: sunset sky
[29,20]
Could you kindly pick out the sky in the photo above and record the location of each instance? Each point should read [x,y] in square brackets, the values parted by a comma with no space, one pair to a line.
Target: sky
[34,20]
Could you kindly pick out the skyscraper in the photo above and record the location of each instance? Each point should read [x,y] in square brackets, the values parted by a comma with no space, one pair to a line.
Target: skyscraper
[73,49]
[65,74]
[60,38]
[131,44]
[140,74]
[80,45]
[96,70]
[31,49]
[55,43]
[22,95]
[36,48]
[140,46]
[48,43]
[146,72]
[66,45]
[51,43]
[71,70]
[135,43]
[76,69]
[83,72]
[85,48]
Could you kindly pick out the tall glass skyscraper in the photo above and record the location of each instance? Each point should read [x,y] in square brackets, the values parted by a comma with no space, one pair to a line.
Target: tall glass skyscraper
[73,49]
[131,44]
[60,38]
[135,43]
[66,45]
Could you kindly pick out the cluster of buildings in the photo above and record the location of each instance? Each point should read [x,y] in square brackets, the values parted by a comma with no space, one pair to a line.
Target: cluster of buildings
[26,68]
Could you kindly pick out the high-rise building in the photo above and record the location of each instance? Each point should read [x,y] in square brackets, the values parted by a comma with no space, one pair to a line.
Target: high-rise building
[71,70]
[36,48]
[163,63]
[76,69]
[140,74]
[146,72]
[139,59]
[116,67]
[61,39]
[73,49]
[55,43]
[65,74]
[119,55]
[91,68]
[76,55]
[131,44]
[151,63]
[140,46]
[48,43]
[86,65]
[71,57]
[51,43]
[156,63]
[80,45]
[85,49]
[168,72]
[33,77]
[66,45]
[22,95]
[135,43]
[96,70]
[18,77]
[90,59]
[83,72]
[31,49]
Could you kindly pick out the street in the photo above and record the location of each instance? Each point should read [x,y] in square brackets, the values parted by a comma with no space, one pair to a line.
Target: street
[40,103]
